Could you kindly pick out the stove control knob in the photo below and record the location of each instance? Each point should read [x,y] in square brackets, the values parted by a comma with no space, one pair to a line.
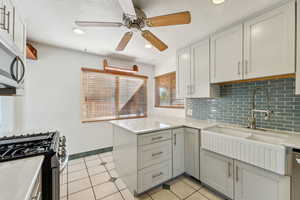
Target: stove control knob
[62,141]
[61,151]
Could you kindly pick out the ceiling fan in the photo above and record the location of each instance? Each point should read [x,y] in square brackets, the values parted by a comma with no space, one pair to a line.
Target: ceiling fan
[136,20]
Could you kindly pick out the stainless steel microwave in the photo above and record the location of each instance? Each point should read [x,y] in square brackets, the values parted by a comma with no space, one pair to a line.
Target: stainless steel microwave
[12,72]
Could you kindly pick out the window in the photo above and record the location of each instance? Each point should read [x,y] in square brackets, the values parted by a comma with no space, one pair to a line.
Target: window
[165,92]
[111,95]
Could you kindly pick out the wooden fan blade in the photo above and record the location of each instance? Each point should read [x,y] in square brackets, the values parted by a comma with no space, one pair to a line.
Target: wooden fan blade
[98,24]
[169,20]
[124,41]
[155,41]
[128,7]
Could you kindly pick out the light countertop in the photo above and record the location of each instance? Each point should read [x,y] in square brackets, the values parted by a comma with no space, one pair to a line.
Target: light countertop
[156,123]
[17,177]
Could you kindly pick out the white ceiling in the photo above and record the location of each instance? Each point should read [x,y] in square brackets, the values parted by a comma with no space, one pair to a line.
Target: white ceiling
[52,21]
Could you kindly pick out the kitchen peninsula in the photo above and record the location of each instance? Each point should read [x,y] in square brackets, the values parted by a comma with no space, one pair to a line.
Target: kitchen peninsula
[151,151]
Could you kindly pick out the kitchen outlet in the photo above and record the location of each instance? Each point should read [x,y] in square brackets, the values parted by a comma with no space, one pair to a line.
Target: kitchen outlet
[189,112]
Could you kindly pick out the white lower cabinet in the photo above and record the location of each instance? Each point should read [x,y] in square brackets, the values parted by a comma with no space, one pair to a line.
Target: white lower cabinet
[154,154]
[217,172]
[178,152]
[154,175]
[240,181]
[192,152]
[255,183]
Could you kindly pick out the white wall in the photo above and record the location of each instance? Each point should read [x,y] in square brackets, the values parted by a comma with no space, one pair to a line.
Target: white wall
[7,116]
[52,96]
[169,65]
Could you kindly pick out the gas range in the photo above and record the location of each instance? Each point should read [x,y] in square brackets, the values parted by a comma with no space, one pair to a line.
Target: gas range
[22,146]
[49,144]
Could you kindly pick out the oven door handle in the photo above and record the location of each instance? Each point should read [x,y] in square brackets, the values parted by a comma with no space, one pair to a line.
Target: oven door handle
[65,161]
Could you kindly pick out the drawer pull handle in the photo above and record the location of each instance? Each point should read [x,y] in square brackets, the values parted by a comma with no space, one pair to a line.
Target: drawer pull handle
[157,138]
[237,174]
[229,169]
[156,154]
[157,175]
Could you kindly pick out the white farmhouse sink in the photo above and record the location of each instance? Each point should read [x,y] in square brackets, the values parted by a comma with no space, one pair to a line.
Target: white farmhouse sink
[230,131]
[262,149]
[266,139]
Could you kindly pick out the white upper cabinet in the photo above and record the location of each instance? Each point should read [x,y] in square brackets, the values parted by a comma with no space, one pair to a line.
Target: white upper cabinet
[200,72]
[6,19]
[12,28]
[193,72]
[270,43]
[255,183]
[183,73]
[227,55]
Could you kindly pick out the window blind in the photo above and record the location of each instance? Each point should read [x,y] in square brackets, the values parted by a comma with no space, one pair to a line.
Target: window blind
[105,96]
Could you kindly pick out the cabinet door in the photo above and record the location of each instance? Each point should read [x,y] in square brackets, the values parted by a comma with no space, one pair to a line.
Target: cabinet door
[200,83]
[19,33]
[270,43]
[255,183]
[217,172]
[227,55]
[6,19]
[298,51]
[183,71]
[192,152]
[178,152]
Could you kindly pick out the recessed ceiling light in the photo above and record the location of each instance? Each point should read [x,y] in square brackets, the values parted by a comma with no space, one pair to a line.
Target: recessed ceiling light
[218,1]
[148,46]
[78,31]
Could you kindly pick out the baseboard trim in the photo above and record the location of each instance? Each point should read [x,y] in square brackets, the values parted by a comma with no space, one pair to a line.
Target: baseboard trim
[90,153]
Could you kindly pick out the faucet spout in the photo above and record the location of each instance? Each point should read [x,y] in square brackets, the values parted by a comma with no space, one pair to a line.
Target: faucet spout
[253,111]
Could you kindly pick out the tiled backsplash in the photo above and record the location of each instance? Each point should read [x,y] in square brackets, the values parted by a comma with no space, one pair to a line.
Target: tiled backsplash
[235,102]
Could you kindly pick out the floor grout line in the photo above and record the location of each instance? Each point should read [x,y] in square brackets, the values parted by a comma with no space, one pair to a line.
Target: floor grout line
[114,182]
[90,180]
[119,191]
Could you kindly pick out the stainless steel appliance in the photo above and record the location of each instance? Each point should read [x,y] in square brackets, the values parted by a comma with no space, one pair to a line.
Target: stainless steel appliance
[12,72]
[295,178]
[49,144]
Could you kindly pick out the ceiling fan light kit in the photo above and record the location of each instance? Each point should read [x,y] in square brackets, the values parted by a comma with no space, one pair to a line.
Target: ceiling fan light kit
[135,20]
[217,2]
[78,31]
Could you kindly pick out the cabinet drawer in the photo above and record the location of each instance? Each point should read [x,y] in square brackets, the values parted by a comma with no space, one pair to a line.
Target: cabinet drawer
[154,175]
[154,153]
[154,137]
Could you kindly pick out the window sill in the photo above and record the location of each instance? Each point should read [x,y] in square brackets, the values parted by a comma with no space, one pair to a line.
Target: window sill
[112,119]
[172,107]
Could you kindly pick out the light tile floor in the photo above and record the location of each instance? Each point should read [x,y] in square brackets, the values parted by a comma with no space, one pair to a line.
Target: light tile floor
[94,178]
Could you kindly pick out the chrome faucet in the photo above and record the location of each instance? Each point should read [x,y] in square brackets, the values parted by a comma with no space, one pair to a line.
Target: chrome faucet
[268,112]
